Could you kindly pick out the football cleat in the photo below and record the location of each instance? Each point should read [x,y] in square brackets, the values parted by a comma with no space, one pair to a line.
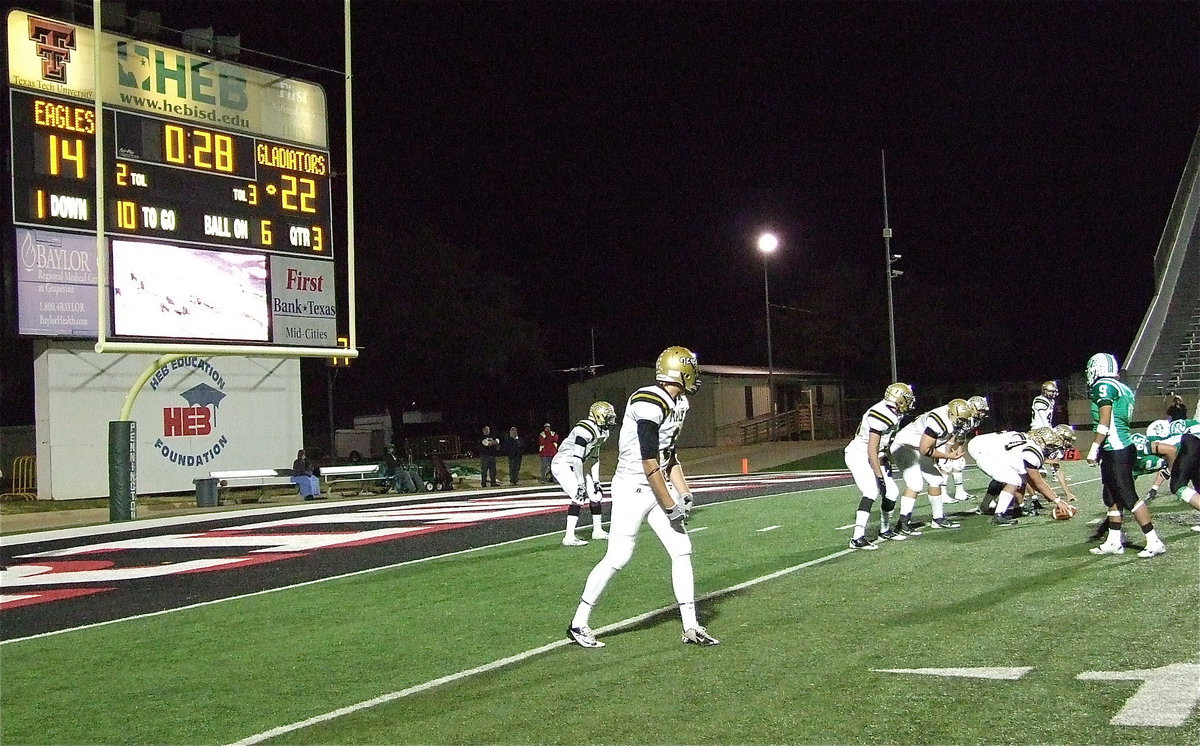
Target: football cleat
[1153,549]
[583,637]
[944,523]
[1002,520]
[1196,528]
[573,541]
[599,534]
[1107,548]
[678,365]
[699,636]
[861,543]
[907,529]
[891,535]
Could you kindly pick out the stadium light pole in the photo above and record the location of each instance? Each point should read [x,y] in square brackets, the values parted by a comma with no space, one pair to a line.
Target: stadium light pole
[888,259]
[767,244]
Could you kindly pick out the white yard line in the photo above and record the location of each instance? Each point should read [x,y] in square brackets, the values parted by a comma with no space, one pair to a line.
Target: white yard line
[434,683]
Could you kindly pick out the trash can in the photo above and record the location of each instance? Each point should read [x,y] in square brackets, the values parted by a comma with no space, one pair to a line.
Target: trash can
[206,492]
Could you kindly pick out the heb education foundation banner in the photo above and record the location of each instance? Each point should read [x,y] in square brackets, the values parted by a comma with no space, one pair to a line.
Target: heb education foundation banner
[58,57]
[194,415]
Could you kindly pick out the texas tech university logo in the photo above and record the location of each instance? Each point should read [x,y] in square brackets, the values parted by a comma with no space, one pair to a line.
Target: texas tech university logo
[193,420]
[54,43]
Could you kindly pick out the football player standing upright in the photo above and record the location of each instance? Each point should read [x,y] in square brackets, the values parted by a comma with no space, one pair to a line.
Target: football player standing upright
[570,469]
[649,485]
[864,460]
[1041,412]
[1112,448]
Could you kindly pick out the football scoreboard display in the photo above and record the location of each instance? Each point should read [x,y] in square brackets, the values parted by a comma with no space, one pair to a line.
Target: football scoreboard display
[166,179]
[216,200]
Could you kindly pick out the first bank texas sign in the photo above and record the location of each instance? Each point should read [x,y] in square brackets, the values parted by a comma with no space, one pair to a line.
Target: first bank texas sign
[192,421]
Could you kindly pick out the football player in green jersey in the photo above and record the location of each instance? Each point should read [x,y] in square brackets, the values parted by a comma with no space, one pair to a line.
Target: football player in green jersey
[1113,450]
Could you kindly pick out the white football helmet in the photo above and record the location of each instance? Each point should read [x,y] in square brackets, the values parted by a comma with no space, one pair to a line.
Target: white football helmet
[901,396]
[980,405]
[1101,365]
[1050,389]
[678,365]
[603,414]
[1158,429]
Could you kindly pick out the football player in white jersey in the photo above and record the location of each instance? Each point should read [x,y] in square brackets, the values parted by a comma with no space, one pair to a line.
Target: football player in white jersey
[570,469]
[1012,459]
[953,469]
[915,452]
[1042,409]
[864,459]
[649,485]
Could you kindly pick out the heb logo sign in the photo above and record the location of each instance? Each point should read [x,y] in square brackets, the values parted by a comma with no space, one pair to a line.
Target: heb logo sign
[197,419]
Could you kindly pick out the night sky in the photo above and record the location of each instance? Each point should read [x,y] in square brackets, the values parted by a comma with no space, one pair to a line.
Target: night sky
[617,160]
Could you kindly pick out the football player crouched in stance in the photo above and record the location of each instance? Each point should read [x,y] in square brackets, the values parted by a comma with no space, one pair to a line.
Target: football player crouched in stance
[1012,460]
[1174,456]
[649,485]
[866,464]
[915,452]
[570,469]
[953,469]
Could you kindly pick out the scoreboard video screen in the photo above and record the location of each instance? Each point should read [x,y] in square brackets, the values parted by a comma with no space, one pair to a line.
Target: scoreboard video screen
[245,191]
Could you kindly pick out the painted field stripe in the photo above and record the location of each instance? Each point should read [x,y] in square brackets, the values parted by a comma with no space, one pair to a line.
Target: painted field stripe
[1011,673]
[768,528]
[698,528]
[519,657]
[843,528]
[406,563]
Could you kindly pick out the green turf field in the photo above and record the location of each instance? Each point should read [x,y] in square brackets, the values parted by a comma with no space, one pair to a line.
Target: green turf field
[808,630]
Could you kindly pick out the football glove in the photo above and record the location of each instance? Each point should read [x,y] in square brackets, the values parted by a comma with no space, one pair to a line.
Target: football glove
[597,492]
[687,502]
[678,516]
[1093,454]
[881,486]
[581,496]
[1151,494]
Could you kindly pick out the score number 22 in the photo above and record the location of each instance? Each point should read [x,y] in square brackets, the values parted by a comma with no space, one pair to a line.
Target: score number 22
[297,194]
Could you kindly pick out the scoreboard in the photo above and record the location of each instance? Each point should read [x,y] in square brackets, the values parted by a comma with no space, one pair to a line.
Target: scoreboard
[166,179]
[240,186]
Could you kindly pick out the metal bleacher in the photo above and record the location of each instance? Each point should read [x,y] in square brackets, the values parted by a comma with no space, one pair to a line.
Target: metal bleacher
[1165,356]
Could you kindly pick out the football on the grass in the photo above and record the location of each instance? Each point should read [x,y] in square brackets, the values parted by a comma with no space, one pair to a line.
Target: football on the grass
[1064,512]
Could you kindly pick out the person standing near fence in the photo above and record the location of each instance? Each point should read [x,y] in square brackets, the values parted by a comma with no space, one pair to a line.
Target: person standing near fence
[489,448]
[547,448]
[514,448]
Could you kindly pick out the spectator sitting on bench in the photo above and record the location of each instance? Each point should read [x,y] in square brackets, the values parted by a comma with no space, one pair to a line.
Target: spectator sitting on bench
[304,477]
[397,474]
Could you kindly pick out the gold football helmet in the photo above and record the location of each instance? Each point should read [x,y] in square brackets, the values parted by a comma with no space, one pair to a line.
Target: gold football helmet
[1048,438]
[901,396]
[980,405]
[603,414]
[1050,389]
[1067,433]
[678,365]
[961,412]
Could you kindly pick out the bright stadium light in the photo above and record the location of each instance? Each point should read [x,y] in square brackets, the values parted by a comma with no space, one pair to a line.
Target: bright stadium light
[767,244]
